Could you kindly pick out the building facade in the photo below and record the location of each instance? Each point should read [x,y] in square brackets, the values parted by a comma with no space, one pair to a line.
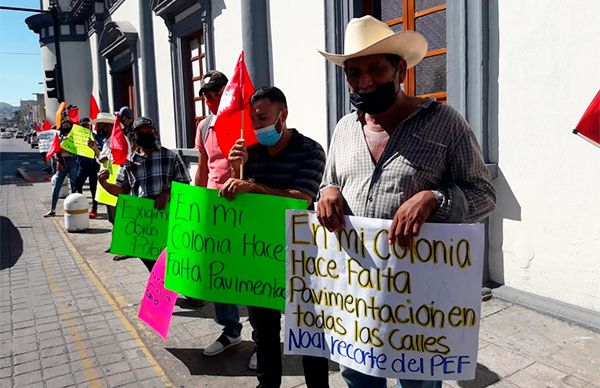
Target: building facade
[521,82]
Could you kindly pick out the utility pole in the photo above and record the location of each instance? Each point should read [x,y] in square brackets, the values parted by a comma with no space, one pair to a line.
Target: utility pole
[54,12]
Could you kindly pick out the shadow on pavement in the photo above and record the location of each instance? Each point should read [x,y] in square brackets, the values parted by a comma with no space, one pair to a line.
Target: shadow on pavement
[11,243]
[205,311]
[94,231]
[483,378]
[234,362]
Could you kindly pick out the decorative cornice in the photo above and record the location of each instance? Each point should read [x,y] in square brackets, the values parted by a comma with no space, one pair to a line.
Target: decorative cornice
[168,9]
[118,37]
[39,21]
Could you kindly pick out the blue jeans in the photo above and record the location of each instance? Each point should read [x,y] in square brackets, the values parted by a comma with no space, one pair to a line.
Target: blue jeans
[71,169]
[355,379]
[228,315]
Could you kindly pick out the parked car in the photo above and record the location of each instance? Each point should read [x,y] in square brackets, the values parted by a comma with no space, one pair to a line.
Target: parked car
[19,134]
[6,135]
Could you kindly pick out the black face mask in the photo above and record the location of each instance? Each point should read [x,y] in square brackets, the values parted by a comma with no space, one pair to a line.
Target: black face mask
[64,130]
[145,140]
[377,101]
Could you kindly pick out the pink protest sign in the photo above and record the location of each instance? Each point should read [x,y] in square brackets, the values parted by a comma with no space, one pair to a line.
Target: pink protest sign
[158,302]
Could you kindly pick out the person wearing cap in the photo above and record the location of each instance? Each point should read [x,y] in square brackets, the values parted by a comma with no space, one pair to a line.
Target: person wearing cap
[419,158]
[103,124]
[88,168]
[66,164]
[287,164]
[126,119]
[148,171]
[213,171]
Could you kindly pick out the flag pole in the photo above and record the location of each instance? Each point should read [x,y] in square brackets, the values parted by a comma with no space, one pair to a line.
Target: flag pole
[243,102]
[241,137]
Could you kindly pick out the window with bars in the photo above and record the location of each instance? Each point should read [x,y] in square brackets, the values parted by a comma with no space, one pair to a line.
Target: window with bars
[428,78]
[197,62]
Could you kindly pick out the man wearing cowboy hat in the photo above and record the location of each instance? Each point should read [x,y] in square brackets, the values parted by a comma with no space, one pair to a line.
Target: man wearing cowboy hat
[398,157]
[104,124]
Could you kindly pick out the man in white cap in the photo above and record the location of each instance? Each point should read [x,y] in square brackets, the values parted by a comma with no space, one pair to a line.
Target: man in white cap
[104,124]
[398,157]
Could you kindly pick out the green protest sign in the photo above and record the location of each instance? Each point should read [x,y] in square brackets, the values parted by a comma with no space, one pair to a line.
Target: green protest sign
[140,230]
[76,142]
[228,251]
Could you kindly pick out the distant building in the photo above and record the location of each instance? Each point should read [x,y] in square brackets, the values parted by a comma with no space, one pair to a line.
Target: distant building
[29,111]
[522,73]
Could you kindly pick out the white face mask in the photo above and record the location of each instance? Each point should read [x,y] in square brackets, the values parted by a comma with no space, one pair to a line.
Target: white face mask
[268,136]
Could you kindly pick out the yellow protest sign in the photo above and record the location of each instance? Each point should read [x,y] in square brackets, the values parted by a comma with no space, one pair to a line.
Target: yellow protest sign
[76,142]
[103,196]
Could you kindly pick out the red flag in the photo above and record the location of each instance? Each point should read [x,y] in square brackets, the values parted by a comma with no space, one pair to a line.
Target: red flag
[589,125]
[37,126]
[54,148]
[234,103]
[94,110]
[46,125]
[118,144]
[74,115]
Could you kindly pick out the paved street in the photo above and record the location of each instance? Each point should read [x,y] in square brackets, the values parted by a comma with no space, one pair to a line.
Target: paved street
[68,317]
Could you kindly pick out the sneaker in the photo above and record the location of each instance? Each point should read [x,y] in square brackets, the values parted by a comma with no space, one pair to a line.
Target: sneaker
[51,213]
[252,364]
[222,343]
[93,214]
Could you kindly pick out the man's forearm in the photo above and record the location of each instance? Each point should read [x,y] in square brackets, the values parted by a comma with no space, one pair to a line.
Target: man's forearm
[201,178]
[257,188]
[113,188]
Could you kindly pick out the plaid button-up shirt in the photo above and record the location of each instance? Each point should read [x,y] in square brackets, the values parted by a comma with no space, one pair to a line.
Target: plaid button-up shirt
[150,175]
[432,149]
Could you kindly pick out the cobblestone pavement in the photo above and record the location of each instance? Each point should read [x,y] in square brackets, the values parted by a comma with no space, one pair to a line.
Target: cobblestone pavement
[59,326]
[69,317]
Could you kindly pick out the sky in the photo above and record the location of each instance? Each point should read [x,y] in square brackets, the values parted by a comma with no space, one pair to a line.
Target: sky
[19,71]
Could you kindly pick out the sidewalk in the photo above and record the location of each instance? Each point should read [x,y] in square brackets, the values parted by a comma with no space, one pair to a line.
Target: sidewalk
[59,326]
[518,347]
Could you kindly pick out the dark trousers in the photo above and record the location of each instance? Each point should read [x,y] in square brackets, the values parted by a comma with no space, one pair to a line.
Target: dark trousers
[316,371]
[88,170]
[267,325]
[110,213]
[148,263]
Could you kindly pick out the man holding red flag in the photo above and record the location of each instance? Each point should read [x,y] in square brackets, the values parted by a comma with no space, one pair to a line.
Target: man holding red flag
[214,170]
[288,164]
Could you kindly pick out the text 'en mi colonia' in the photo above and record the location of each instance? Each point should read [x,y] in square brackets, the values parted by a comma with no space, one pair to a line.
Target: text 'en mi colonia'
[353,242]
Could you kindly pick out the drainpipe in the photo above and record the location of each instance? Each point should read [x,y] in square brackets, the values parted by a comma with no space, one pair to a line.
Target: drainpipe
[256,41]
[148,84]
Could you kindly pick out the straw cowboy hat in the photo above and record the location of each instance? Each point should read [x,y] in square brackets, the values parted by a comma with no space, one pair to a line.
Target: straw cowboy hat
[106,118]
[368,36]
